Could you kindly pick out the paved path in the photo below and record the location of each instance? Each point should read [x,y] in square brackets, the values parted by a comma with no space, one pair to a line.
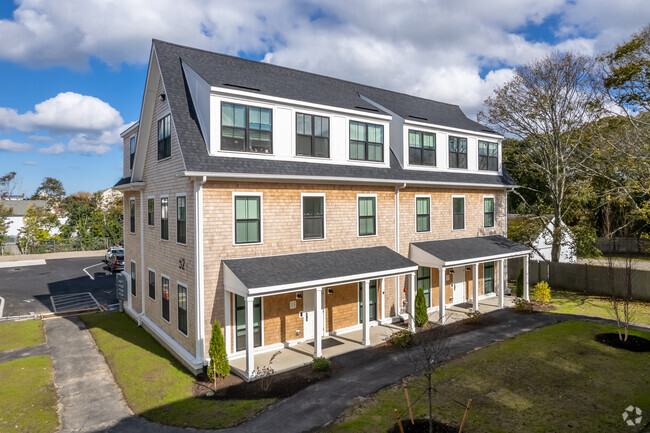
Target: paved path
[92,402]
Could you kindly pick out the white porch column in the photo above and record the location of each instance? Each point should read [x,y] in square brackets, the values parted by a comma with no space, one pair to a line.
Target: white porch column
[502,283]
[526,278]
[250,361]
[411,301]
[383,299]
[441,295]
[366,313]
[318,323]
[475,288]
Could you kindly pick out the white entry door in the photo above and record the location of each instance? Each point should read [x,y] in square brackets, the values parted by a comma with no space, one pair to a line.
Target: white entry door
[459,285]
[309,314]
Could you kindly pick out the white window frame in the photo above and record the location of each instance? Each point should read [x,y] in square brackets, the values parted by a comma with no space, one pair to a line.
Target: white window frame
[236,194]
[180,194]
[464,212]
[294,139]
[233,316]
[376,216]
[154,210]
[415,216]
[132,200]
[162,196]
[302,218]
[187,294]
[170,299]
[467,139]
[367,120]
[154,281]
[248,104]
[494,205]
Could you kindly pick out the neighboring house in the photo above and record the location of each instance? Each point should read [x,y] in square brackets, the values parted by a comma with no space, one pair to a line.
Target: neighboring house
[289,206]
[542,242]
[16,219]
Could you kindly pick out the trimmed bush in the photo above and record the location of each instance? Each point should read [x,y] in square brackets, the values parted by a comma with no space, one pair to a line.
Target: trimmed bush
[421,316]
[519,285]
[219,366]
[321,364]
[542,292]
[403,338]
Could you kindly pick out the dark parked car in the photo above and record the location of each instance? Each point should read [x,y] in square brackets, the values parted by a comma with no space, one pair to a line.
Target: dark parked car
[116,262]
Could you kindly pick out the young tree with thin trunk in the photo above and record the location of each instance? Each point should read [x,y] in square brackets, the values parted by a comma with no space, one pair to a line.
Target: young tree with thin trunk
[218,367]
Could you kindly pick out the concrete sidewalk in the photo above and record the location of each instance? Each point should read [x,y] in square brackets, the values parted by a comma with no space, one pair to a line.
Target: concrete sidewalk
[52,256]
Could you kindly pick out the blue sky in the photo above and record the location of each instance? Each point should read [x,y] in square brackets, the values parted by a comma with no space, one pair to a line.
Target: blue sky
[72,71]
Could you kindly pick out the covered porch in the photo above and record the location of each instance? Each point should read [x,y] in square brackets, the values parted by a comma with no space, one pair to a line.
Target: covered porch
[468,270]
[309,305]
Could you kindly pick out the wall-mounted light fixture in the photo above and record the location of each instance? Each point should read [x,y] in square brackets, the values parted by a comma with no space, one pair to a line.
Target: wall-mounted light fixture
[162,97]
[451,271]
[468,268]
[330,291]
[299,295]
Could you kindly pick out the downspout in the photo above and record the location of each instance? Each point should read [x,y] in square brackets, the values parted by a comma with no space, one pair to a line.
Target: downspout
[142,311]
[199,302]
[397,188]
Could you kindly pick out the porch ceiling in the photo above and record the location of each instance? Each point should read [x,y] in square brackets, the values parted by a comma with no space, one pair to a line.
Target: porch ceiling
[454,252]
[276,274]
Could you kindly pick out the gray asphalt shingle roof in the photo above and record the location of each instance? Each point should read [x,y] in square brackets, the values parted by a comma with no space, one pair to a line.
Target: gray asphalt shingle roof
[454,250]
[271,271]
[19,207]
[222,70]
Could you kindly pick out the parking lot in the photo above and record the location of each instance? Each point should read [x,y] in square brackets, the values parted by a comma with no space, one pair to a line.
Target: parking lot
[71,283]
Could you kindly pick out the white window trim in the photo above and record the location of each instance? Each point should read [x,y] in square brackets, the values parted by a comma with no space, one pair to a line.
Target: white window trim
[164,114]
[187,295]
[294,138]
[302,218]
[407,152]
[376,216]
[162,196]
[494,212]
[180,194]
[131,295]
[466,153]
[248,194]
[154,210]
[170,298]
[132,214]
[415,216]
[154,282]
[386,144]
[464,212]
[247,104]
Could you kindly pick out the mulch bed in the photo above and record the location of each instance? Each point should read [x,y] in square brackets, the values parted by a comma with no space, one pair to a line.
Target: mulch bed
[281,385]
[633,343]
[422,425]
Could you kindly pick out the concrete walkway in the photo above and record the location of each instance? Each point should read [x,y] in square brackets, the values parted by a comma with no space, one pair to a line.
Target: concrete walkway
[52,256]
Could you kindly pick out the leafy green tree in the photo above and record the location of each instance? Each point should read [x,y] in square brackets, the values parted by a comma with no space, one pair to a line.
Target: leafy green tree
[421,316]
[5,212]
[38,226]
[51,190]
[218,367]
[78,209]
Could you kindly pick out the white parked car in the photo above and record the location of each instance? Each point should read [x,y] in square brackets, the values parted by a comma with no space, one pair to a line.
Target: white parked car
[113,250]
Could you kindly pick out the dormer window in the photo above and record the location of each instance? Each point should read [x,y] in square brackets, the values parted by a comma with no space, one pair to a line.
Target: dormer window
[312,135]
[132,151]
[366,141]
[488,156]
[457,152]
[246,129]
[422,148]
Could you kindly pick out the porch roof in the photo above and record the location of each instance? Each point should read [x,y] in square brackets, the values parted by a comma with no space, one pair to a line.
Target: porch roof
[284,273]
[453,252]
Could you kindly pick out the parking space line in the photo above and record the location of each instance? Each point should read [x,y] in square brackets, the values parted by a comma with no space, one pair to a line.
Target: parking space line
[22,263]
[91,266]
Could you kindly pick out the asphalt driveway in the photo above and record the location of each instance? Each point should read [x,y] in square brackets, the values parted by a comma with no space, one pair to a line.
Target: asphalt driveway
[28,289]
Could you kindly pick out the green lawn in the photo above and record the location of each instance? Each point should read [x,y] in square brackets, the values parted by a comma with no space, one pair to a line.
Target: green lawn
[154,383]
[552,379]
[27,396]
[21,334]
[591,305]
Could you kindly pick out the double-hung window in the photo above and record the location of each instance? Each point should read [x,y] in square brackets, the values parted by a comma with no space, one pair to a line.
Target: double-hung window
[246,129]
[366,141]
[164,218]
[181,220]
[248,219]
[165,297]
[422,214]
[458,213]
[312,135]
[422,148]
[182,309]
[457,152]
[134,291]
[488,277]
[488,156]
[152,284]
[424,283]
[488,212]
[367,216]
[313,217]
[132,215]
[150,211]
[131,151]
[165,137]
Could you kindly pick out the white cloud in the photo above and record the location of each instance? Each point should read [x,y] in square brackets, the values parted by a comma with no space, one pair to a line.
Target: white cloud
[30,163]
[11,146]
[39,138]
[54,149]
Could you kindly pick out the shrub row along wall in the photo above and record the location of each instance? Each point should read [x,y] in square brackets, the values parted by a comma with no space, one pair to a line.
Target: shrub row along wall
[580,277]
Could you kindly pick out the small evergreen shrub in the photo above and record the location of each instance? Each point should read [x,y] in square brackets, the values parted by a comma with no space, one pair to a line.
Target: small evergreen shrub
[421,316]
[519,285]
[321,364]
[403,338]
[218,366]
[542,292]
[523,305]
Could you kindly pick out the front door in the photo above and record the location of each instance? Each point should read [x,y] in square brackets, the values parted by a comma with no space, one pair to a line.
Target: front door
[459,285]
[372,301]
[308,313]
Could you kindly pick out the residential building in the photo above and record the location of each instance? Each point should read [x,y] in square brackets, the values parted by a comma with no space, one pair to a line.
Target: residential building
[290,206]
